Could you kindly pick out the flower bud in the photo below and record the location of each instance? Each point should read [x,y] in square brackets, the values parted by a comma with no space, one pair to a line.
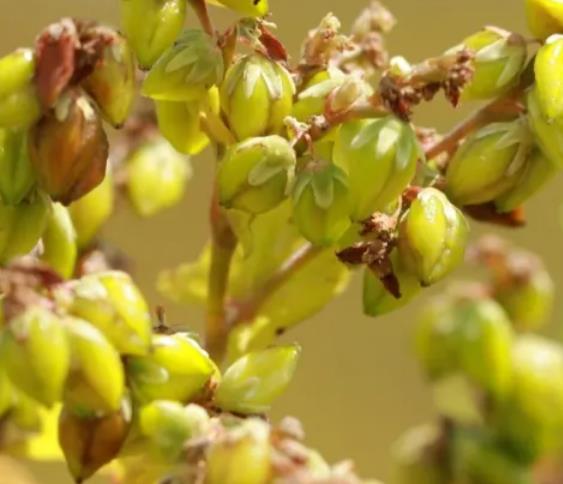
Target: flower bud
[151,26]
[255,174]
[242,455]
[19,103]
[186,70]
[17,178]
[96,382]
[90,442]
[432,236]
[157,176]
[91,211]
[548,68]
[254,381]
[489,163]
[321,203]
[69,149]
[499,58]
[59,242]
[112,303]
[548,136]
[35,353]
[112,83]
[312,97]
[379,155]
[176,369]
[169,425]
[545,17]
[256,96]
[254,8]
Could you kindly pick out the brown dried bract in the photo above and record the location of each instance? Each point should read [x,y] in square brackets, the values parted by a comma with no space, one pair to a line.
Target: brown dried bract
[487,212]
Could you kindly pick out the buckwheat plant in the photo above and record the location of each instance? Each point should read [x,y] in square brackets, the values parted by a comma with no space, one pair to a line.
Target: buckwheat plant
[320,172]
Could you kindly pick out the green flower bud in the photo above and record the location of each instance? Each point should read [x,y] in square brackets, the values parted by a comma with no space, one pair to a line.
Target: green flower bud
[248,8]
[17,178]
[176,369]
[19,103]
[186,70]
[59,242]
[548,69]
[36,355]
[90,442]
[21,226]
[499,58]
[311,99]
[548,136]
[112,303]
[321,203]
[96,382]
[152,26]
[379,155]
[489,164]
[432,236]
[69,149]
[377,300]
[530,419]
[112,83]
[157,176]
[256,96]
[241,456]
[169,425]
[255,174]
[545,17]
[254,381]
[91,211]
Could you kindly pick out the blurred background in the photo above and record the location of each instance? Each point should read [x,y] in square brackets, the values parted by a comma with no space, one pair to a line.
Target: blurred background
[358,386]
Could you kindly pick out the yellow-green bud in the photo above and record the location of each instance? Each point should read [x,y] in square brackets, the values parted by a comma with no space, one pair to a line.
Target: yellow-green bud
[19,103]
[35,353]
[548,136]
[545,17]
[548,68]
[241,456]
[152,26]
[489,164]
[157,176]
[312,97]
[379,155]
[186,70]
[59,242]
[254,381]
[321,203]
[90,212]
[256,96]
[432,236]
[248,8]
[112,83]
[17,178]
[254,176]
[112,303]
[176,369]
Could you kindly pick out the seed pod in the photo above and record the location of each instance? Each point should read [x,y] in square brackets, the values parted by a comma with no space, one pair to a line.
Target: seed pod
[35,353]
[21,226]
[312,98]
[112,82]
[19,103]
[59,242]
[17,178]
[157,176]
[186,70]
[549,137]
[169,425]
[321,203]
[176,369]
[545,17]
[69,149]
[151,26]
[90,442]
[499,58]
[248,8]
[112,303]
[96,383]
[432,236]
[379,155]
[256,96]
[489,164]
[254,381]
[241,456]
[90,212]
[255,174]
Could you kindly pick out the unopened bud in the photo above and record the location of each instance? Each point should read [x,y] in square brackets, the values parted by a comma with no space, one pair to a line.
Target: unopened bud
[548,136]
[59,242]
[344,96]
[312,98]
[545,17]
[256,8]
[17,178]
[548,68]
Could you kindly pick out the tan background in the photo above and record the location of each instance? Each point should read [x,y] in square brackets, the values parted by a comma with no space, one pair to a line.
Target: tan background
[357,386]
